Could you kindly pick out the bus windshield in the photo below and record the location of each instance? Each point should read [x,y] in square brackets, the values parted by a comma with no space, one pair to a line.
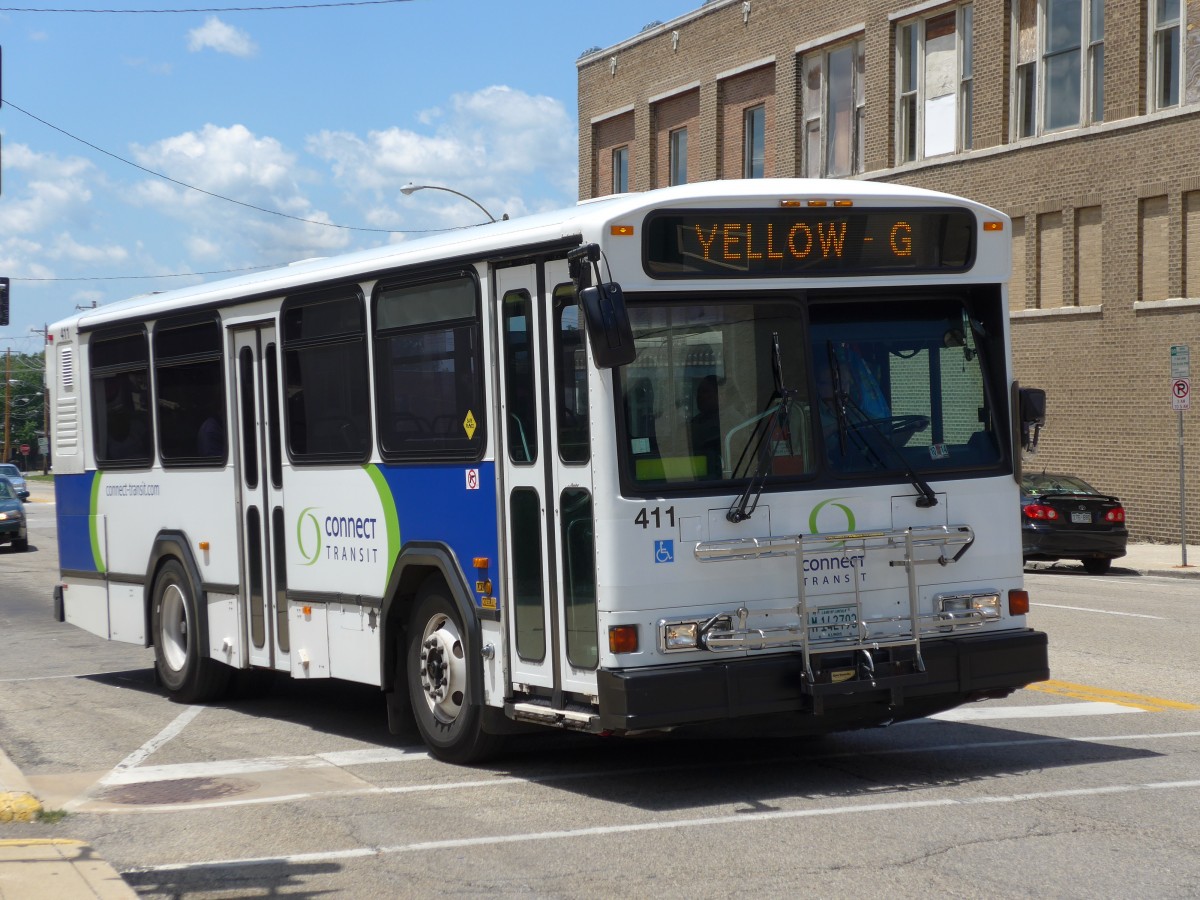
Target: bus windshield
[856,388]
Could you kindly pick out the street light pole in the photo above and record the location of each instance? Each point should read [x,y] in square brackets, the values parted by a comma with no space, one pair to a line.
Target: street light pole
[409,189]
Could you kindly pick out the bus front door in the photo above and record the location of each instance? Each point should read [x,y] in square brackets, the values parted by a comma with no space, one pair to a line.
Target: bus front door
[260,483]
[545,467]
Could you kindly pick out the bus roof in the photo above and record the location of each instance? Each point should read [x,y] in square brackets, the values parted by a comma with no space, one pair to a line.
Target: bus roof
[585,221]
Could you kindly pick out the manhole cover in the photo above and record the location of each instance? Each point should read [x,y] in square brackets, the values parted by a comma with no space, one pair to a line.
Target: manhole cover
[183,790]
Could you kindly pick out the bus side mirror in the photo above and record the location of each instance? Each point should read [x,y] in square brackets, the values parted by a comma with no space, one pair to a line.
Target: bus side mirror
[607,323]
[1033,416]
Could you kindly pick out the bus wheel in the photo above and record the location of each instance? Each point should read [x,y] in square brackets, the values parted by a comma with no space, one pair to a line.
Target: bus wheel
[187,673]
[438,669]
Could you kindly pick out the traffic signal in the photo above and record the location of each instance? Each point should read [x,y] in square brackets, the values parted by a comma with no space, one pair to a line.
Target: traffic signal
[3,302]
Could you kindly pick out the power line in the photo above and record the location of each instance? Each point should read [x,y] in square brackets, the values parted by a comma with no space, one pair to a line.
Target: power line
[192,187]
[220,9]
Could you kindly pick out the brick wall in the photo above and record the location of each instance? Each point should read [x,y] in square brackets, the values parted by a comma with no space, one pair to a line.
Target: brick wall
[1100,350]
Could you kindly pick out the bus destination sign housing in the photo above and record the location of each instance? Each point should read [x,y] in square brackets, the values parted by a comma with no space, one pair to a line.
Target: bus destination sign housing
[808,242]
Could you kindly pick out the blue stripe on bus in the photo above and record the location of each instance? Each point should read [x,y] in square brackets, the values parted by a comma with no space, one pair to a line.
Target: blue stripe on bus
[434,503]
[73,499]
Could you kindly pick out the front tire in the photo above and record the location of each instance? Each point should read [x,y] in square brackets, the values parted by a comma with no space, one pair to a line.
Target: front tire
[438,669]
[183,667]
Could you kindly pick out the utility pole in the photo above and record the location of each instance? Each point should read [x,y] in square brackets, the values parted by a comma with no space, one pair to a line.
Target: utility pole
[7,392]
[45,405]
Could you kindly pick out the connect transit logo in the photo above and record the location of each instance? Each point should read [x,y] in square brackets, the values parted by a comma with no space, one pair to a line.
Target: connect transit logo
[832,503]
[307,523]
[336,538]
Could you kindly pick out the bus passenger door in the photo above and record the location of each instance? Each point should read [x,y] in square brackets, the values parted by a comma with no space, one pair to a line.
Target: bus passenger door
[546,472]
[529,582]
[260,484]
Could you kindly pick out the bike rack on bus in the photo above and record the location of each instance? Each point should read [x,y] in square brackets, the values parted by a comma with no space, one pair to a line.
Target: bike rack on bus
[729,632]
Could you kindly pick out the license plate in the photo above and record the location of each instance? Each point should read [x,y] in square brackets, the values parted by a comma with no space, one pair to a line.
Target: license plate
[1081,518]
[832,623]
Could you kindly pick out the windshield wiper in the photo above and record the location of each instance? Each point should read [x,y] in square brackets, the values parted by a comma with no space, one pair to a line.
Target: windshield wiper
[927,497]
[842,401]
[760,448]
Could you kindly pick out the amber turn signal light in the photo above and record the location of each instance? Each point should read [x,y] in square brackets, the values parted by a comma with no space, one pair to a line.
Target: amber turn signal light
[1018,603]
[623,638]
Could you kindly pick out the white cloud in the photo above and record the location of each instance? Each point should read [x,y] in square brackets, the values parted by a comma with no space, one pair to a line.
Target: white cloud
[221,37]
[46,190]
[511,151]
[67,249]
[235,163]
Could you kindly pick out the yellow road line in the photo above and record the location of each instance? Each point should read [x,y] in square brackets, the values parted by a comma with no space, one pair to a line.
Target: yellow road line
[1122,698]
[41,842]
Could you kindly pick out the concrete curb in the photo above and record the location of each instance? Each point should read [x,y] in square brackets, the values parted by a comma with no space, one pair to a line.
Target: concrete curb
[17,802]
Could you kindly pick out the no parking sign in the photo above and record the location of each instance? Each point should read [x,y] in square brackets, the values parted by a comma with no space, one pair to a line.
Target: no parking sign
[1181,394]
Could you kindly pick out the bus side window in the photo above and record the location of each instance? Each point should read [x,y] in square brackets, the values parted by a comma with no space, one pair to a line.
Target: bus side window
[325,371]
[570,356]
[121,412]
[519,385]
[190,392]
[429,369]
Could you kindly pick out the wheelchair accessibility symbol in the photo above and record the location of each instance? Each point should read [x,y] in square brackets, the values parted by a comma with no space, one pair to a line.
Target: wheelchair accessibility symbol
[664,551]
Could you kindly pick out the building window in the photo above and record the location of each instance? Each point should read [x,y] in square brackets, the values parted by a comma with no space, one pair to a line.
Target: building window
[1191,244]
[620,170]
[935,85]
[1095,62]
[1052,68]
[833,104]
[1050,260]
[1166,52]
[754,130]
[678,156]
[1154,242]
[1089,256]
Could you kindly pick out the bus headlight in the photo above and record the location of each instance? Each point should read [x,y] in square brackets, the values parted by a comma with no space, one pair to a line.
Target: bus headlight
[680,636]
[984,605]
[674,637]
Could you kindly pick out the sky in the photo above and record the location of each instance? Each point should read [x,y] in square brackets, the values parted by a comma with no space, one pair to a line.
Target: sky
[318,114]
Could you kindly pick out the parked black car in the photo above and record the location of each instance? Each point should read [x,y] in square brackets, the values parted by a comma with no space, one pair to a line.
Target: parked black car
[1064,517]
[13,529]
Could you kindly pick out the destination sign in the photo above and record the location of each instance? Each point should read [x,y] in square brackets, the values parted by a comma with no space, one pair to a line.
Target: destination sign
[809,242]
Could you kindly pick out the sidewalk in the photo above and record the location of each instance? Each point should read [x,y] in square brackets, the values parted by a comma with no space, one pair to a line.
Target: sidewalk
[47,868]
[1142,559]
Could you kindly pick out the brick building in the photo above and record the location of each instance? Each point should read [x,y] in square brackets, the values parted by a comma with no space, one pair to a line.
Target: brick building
[1078,118]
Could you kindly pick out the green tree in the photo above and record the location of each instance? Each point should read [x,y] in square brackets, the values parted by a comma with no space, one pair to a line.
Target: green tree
[26,406]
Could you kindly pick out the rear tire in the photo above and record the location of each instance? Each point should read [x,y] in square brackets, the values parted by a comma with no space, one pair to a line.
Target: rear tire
[183,667]
[1096,566]
[438,669]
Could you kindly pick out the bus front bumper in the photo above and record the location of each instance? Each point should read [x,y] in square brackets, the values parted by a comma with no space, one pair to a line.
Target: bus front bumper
[845,693]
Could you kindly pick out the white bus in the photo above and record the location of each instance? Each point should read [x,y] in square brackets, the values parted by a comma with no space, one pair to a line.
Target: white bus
[741,453]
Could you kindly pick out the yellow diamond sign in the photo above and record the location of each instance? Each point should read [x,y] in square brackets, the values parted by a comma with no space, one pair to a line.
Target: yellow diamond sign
[469,425]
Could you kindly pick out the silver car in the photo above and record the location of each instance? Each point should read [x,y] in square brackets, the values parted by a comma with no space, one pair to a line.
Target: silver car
[16,478]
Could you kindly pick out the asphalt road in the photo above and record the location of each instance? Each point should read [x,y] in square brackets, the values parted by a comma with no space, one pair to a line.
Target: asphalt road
[1087,786]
